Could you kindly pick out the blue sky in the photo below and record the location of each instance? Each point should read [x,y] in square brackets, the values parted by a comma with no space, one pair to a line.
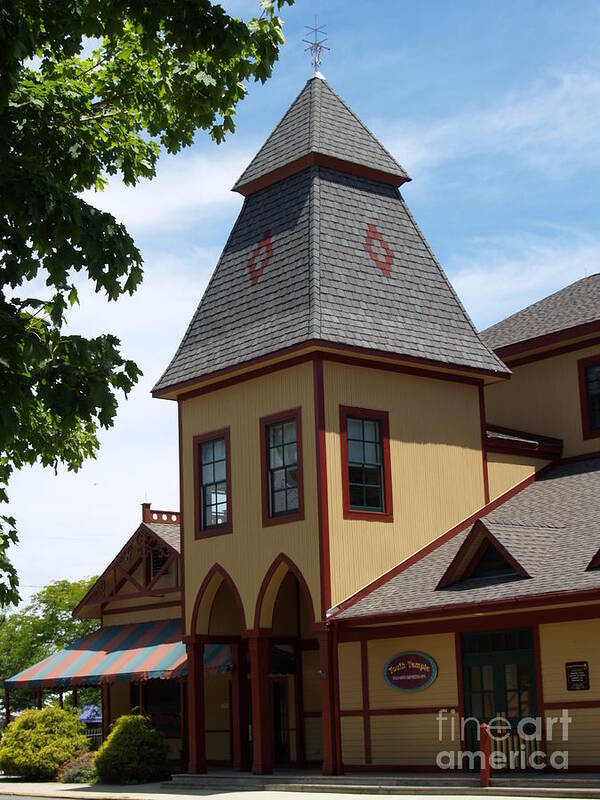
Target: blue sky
[493,108]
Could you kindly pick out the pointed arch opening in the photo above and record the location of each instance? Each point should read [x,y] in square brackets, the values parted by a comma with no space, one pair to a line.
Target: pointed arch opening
[282,574]
[218,610]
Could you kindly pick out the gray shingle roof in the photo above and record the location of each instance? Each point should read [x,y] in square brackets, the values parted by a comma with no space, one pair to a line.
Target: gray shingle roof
[169,533]
[318,121]
[320,282]
[577,304]
[552,528]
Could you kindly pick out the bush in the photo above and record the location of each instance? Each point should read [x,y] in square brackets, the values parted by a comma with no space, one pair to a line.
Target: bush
[38,743]
[78,769]
[133,753]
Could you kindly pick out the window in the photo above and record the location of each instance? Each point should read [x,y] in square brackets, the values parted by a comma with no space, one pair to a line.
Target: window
[493,564]
[367,490]
[213,484]
[365,469]
[281,446]
[158,558]
[589,391]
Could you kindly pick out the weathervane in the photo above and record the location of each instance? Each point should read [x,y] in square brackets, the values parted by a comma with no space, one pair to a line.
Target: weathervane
[316,45]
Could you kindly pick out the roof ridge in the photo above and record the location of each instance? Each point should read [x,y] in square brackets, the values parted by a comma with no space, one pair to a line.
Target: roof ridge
[368,130]
[540,301]
[314,264]
[307,85]
[532,308]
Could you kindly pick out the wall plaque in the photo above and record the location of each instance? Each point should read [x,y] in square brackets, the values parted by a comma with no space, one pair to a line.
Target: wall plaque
[578,675]
[410,671]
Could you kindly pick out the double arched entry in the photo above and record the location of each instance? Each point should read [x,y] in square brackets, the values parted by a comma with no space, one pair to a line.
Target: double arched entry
[269,701]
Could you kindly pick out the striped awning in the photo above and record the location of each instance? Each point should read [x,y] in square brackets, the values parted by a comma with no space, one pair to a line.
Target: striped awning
[135,652]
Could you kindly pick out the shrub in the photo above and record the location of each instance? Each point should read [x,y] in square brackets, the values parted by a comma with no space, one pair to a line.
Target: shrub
[78,769]
[38,743]
[134,752]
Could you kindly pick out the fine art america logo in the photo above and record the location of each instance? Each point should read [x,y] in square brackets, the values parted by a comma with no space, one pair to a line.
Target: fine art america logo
[513,746]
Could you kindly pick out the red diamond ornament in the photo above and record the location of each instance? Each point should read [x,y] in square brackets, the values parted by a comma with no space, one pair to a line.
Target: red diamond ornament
[385,265]
[265,250]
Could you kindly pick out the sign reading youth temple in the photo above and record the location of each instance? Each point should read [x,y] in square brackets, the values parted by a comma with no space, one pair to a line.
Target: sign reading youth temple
[410,671]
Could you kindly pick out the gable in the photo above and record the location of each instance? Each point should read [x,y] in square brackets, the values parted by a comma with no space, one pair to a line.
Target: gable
[481,557]
[146,566]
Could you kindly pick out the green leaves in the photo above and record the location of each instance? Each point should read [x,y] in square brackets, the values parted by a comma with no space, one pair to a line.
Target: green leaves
[158,72]
[43,626]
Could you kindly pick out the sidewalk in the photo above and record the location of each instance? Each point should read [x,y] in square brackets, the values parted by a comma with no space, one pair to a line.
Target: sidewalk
[154,791]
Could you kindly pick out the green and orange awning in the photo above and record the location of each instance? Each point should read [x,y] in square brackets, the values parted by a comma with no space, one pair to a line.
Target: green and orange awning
[134,652]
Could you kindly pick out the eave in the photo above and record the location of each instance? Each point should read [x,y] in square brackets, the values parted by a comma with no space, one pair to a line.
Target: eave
[331,351]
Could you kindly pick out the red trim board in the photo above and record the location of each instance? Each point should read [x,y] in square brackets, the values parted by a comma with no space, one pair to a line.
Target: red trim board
[587,431]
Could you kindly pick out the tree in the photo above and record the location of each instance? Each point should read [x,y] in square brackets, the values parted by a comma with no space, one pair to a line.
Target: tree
[89,89]
[45,624]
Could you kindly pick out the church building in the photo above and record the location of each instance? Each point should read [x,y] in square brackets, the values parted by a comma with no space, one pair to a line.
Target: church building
[389,522]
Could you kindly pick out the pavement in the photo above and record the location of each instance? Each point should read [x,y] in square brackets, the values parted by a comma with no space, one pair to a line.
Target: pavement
[154,791]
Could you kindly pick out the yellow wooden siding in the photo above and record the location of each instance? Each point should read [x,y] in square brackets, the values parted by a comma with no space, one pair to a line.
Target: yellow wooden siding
[216,717]
[248,552]
[313,738]
[353,740]
[543,397]
[437,473]
[147,615]
[350,672]
[120,700]
[311,680]
[410,739]
[582,740]
[561,642]
[443,692]
[506,471]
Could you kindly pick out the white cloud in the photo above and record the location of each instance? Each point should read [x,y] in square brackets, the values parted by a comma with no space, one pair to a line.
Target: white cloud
[503,275]
[191,184]
[554,125]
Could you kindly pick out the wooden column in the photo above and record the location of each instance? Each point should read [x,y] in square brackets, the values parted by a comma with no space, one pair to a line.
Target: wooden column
[106,711]
[74,699]
[240,706]
[141,697]
[195,704]
[339,763]
[327,701]
[258,646]
[61,700]
[299,706]
[39,698]
[6,708]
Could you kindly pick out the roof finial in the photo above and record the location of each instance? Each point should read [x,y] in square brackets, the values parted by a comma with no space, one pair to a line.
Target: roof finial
[316,45]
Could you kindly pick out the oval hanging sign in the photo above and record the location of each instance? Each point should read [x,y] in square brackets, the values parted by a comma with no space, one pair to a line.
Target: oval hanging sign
[410,671]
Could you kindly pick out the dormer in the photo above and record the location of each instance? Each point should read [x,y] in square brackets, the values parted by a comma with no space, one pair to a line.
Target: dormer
[481,559]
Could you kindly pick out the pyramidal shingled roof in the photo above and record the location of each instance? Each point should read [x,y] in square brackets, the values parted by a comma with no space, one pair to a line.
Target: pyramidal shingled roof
[326,255]
[321,125]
